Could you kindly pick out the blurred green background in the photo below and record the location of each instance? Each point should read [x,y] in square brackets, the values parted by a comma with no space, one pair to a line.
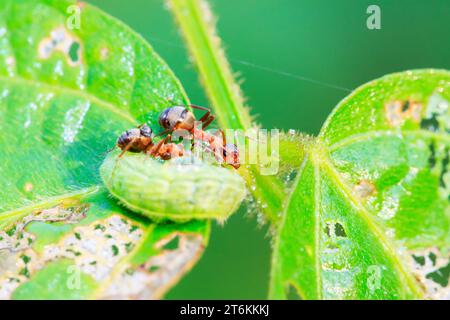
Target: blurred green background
[296,58]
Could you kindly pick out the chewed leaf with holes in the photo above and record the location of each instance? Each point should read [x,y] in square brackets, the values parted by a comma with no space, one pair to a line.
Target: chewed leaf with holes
[369,216]
[65,96]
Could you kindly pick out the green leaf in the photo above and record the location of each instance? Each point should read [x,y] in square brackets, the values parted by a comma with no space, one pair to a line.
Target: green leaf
[65,96]
[369,215]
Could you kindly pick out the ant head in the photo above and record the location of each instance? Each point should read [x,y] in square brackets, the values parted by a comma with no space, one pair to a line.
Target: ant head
[177,117]
[146,131]
[135,139]
[231,155]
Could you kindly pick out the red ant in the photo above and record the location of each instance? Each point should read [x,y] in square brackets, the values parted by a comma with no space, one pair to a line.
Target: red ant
[140,139]
[180,118]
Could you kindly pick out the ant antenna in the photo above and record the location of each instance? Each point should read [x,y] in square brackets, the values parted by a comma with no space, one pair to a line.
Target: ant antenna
[163,133]
[108,151]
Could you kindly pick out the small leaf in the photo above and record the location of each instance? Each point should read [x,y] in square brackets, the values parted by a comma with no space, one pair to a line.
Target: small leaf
[65,96]
[369,215]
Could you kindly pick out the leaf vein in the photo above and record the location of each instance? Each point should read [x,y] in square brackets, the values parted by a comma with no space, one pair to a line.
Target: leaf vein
[375,134]
[366,215]
[78,93]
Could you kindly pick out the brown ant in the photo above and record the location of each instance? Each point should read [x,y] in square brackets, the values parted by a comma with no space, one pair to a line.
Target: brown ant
[180,118]
[140,139]
[136,140]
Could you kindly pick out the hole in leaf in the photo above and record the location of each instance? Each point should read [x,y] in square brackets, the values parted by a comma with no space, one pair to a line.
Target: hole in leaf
[173,244]
[397,112]
[440,276]
[432,257]
[430,124]
[364,189]
[445,163]
[393,113]
[419,259]
[292,293]
[406,106]
[339,230]
[74,52]
[153,268]
[115,250]
[432,158]
[327,230]
[335,229]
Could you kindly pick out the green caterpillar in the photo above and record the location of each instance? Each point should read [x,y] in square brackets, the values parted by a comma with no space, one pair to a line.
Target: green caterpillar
[179,190]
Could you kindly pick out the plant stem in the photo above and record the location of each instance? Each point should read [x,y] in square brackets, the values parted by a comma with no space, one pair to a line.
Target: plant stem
[198,27]
[197,24]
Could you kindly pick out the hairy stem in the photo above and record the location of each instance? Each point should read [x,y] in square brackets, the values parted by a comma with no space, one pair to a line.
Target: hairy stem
[197,24]
[198,28]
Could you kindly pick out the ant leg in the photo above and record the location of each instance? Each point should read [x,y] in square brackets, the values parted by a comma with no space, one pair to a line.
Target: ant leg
[110,150]
[163,133]
[127,147]
[219,153]
[206,115]
[199,108]
[224,157]
[219,135]
[155,149]
[224,140]
[208,121]
[223,151]
[216,145]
